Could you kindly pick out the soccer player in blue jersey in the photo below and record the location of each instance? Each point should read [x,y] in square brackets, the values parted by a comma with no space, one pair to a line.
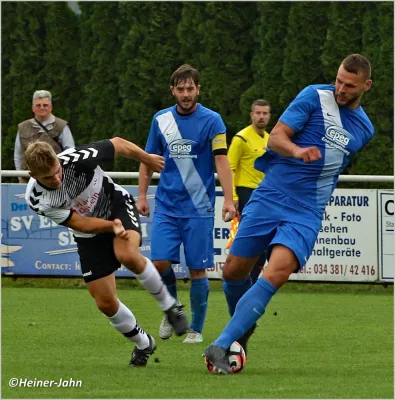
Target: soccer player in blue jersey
[191,138]
[307,150]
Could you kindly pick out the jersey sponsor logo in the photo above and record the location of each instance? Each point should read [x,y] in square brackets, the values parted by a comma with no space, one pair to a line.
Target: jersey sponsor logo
[337,137]
[85,206]
[181,148]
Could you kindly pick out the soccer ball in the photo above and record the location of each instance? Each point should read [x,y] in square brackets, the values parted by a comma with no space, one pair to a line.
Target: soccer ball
[236,356]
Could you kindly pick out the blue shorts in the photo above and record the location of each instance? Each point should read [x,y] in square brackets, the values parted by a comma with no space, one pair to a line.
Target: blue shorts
[272,217]
[196,234]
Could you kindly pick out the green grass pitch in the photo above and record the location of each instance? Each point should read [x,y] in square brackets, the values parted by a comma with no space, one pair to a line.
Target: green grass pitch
[311,343]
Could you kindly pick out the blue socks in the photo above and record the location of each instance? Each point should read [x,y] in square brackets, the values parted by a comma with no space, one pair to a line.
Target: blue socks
[248,310]
[169,279]
[234,290]
[199,295]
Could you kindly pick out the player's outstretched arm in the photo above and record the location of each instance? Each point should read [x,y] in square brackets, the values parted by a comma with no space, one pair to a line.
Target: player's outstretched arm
[225,178]
[89,224]
[280,142]
[129,150]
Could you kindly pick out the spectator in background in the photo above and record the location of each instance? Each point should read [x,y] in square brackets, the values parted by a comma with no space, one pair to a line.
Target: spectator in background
[44,127]
[247,145]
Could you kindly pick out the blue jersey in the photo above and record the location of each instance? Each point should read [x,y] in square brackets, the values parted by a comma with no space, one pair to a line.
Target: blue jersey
[338,132]
[187,184]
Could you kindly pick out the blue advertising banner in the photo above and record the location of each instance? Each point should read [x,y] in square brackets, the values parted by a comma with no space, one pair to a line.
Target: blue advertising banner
[34,245]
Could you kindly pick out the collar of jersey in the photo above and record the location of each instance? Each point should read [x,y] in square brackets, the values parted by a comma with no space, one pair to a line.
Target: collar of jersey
[186,115]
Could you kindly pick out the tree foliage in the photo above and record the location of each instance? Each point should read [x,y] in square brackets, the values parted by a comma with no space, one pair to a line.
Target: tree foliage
[267,63]
[109,67]
[306,34]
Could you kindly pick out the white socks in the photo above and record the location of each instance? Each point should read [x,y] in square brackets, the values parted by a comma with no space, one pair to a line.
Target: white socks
[125,322]
[152,283]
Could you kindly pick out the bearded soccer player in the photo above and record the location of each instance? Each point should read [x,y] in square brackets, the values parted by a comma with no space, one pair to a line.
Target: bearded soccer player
[192,138]
[307,150]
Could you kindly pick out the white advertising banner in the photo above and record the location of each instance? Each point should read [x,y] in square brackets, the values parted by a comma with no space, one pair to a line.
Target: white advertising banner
[221,237]
[346,248]
[386,210]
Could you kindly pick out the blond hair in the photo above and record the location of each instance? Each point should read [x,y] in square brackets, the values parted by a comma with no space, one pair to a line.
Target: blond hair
[40,157]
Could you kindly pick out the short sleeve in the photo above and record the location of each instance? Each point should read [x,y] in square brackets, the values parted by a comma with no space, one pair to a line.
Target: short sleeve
[235,152]
[217,126]
[300,110]
[59,216]
[154,144]
[91,155]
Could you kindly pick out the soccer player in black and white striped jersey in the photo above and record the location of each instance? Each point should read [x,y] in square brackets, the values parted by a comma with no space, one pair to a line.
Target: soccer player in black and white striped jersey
[72,189]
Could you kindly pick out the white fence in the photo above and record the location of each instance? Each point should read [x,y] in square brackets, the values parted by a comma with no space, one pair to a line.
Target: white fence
[135,175]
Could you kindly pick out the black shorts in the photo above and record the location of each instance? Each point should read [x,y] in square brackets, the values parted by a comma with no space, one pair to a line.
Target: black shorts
[97,255]
[244,194]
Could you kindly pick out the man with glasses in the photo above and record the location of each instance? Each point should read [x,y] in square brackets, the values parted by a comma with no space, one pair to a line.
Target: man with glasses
[43,126]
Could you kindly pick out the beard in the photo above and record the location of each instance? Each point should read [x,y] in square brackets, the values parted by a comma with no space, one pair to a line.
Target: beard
[261,125]
[186,109]
[347,102]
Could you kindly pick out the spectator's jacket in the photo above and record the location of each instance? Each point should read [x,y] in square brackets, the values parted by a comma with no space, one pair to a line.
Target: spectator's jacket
[30,131]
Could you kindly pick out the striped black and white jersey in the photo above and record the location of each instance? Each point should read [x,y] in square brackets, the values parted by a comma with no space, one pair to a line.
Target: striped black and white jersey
[85,188]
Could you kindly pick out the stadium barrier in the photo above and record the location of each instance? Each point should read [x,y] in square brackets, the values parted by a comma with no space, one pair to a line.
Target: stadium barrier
[355,243]
[155,176]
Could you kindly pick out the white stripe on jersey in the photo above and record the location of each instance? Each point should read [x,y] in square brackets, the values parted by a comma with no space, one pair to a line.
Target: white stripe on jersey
[190,177]
[76,154]
[333,158]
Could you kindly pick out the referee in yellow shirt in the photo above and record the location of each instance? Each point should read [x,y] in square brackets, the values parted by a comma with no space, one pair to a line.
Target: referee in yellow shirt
[247,145]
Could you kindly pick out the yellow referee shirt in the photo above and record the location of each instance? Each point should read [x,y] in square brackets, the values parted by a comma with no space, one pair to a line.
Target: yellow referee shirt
[247,145]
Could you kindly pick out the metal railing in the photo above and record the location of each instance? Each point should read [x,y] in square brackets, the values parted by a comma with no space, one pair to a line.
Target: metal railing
[135,175]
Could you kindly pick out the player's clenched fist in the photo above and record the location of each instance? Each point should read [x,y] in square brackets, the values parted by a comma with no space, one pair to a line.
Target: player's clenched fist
[155,163]
[143,206]
[308,154]
[228,211]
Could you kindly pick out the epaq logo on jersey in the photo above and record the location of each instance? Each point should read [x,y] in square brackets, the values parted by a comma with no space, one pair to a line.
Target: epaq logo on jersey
[337,137]
[181,148]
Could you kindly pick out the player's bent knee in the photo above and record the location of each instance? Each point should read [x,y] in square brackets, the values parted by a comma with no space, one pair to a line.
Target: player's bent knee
[107,305]
[278,275]
[197,273]
[237,268]
[162,265]
[132,260]
[128,258]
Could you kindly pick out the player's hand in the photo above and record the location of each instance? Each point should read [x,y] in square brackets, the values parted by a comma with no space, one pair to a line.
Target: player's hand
[308,154]
[228,211]
[118,229]
[155,163]
[143,206]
